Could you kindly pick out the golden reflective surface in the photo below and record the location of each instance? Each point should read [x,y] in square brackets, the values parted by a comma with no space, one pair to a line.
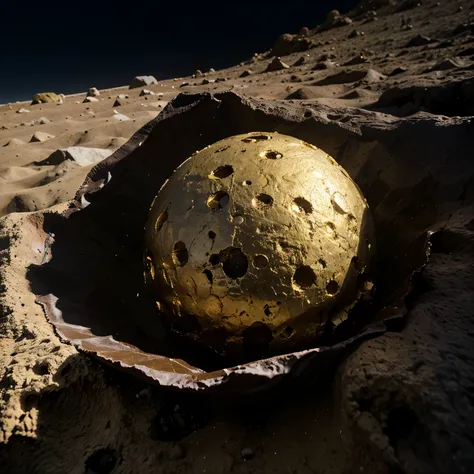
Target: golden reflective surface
[258,229]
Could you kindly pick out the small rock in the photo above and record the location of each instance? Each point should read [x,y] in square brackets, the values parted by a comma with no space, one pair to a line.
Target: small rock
[302,60]
[117,103]
[205,82]
[90,99]
[141,81]
[371,15]
[184,84]
[326,57]
[444,65]
[23,111]
[323,65]
[211,70]
[335,19]
[419,40]
[221,79]
[246,73]
[331,18]
[46,97]
[93,92]
[288,44]
[123,96]
[398,70]
[304,31]
[247,454]
[355,34]
[198,73]
[83,156]
[359,59]
[276,65]
[41,137]
[18,204]
[146,92]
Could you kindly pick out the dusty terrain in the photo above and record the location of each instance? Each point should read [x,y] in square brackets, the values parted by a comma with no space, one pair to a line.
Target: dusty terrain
[394,108]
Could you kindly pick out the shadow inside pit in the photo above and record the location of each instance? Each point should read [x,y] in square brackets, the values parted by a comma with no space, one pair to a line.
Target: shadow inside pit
[95,269]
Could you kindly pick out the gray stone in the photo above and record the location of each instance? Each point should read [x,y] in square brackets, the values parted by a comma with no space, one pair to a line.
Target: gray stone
[141,81]
[83,156]
[276,65]
[146,92]
[288,44]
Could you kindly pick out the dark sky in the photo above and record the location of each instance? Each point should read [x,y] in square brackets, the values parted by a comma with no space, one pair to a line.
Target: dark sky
[69,46]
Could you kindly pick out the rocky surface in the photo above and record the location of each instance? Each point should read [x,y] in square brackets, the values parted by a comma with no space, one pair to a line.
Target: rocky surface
[393,105]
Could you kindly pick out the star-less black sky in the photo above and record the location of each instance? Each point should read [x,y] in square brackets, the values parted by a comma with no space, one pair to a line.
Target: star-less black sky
[69,46]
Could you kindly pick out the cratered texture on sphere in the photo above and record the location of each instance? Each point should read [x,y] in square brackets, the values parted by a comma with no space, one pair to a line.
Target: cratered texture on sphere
[261,238]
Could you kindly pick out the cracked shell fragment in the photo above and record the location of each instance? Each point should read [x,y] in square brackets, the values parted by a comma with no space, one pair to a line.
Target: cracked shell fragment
[258,239]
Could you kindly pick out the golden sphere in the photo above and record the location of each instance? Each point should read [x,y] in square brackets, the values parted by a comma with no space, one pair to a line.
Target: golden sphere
[260,238]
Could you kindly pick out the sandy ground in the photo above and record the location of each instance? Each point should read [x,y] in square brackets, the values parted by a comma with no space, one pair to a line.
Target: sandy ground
[62,411]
